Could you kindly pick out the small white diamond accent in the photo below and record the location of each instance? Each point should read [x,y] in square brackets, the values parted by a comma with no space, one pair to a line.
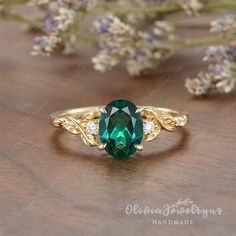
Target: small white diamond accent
[148,127]
[92,127]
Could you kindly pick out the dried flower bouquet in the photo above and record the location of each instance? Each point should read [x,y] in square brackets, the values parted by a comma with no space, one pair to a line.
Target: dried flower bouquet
[136,34]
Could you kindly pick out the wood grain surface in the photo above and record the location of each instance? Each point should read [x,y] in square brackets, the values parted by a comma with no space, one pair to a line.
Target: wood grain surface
[51,184]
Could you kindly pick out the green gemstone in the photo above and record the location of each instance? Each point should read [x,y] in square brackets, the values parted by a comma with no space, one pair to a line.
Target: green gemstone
[121,128]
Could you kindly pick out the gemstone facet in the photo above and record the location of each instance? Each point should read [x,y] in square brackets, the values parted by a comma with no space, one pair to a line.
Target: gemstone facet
[121,128]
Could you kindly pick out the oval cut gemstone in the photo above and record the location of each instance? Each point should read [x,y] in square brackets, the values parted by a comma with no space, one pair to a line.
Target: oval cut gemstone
[121,128]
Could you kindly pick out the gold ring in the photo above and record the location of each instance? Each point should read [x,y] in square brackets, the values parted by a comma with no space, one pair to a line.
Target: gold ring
[120,127]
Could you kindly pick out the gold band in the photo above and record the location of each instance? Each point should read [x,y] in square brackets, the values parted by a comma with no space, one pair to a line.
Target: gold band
[76,121]
[79,112]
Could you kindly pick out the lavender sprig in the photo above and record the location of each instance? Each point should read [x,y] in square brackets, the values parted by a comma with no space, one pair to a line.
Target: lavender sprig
[132,35]
[121,42]
[60,17]
[221,74]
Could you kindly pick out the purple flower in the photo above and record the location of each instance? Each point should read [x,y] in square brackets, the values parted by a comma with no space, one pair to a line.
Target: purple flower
[103,24]
[41,42]
[50,23]
[44,45]
[215,53]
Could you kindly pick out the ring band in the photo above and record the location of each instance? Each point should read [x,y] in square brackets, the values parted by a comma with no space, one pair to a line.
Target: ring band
[120,127]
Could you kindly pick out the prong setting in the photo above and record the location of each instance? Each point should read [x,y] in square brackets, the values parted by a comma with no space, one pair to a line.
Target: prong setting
[102,146]
[102,110]
[139,110]
[139,147]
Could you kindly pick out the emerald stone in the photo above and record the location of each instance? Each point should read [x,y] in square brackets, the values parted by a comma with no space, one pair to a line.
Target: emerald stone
[121,128]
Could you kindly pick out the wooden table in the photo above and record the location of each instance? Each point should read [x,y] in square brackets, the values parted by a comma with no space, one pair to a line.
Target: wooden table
[50,184]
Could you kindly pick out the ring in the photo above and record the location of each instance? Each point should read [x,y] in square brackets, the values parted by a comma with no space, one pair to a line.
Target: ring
[120,127]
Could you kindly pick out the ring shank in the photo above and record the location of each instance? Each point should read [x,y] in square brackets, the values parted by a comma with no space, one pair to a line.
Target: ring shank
[79,112]
[75,113]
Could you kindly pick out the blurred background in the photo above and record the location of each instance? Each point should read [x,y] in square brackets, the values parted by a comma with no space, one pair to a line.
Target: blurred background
[150,52]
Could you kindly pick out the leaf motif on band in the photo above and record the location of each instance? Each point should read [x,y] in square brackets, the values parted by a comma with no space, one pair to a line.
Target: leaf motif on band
[168,122]
[162,119]
[151,136]
[75,126]
[181,120]
[149,115]
[67,123]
